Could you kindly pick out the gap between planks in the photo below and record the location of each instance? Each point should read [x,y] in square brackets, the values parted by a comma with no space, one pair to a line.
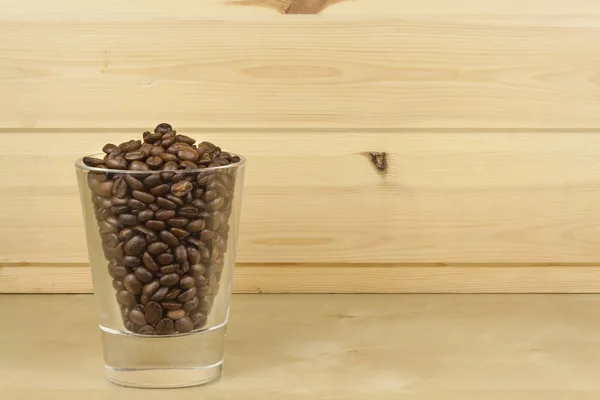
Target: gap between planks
[342,278]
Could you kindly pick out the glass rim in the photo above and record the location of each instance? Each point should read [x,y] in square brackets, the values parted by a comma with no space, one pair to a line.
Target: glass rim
[79,164]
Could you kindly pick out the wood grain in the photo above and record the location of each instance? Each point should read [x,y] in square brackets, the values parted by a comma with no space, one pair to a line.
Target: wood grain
[340,278]
[350,347]
[316,197]
[398,71]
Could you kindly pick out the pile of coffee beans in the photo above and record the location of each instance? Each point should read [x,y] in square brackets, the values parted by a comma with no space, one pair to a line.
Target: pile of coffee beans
[164,234]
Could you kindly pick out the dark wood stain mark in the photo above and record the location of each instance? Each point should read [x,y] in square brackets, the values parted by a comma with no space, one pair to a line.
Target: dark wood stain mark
[289,6]
[379,160]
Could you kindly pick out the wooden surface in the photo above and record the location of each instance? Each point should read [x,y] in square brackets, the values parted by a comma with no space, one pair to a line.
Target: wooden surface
[332,347]
[488,113]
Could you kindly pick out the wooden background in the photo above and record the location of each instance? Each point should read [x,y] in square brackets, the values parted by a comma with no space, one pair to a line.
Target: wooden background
[488,113]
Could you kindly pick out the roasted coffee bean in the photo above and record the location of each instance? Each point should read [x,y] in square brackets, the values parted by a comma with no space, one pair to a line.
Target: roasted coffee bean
[196,225]
[214,254]
[104,189]
[175,147]
[169,280]
[195,241]
[160,190]
[149,262]
[132,284]
[152,180]
[92,162]
[154,162]
[143,274]
[186,282]
[133,182]
[167,204]
[147,330]
[145,148]
[138,166]
[137,205]
[173,293]
[188,165]
[116,163]
[150,288]
[198,269]
[182,188]
[168,157]
[188,154]
[137,155]
[145,215]
[132,145]
[235,159]
[188,212]
[171,305]
[179,233]
[128,219]
[169,238]
[125,234]
[214,220]
[156,151]
[220,161]
[178,201]
[157,248]
[178,222]
[134,246]
[153,312]
[109,148]
[168,269]
[131,261]
[206,303]
[160,294]
[215,205]
[164,327]
[199,192]
[180,254]
[211,194]
[154,207]
[126,298]
[175,314]
[118,285]
[144,299]
[220,243]
[155,225]
[207,235]
[184,325]
[120,271]
[143,196]
[163,128]
[184,268]
[203,290]
[193,255]
[145,230]
[165,259]
[119,188]
[137,317]
[198,316]
[187,295]
[191,304]
[167,142]
[119,209]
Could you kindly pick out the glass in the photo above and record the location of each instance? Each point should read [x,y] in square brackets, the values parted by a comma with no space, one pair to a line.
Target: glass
[162,248]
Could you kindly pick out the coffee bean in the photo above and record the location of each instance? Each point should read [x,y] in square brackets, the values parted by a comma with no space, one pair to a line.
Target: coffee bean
[152,180]
[165,259]
[187,295]
[180,254]
[132,145]
[235,159]
[154,207]
[198,269]
[157,248]
[149,262]
[132,284]
[143,274]
[184,268]
[168,269]
[215,219]
[128,219]
[120,271]
[220,161]
[166,158]
[178,201]
[188,154]
[215,205]
[193,255]
[137,155]
[184,325]
[182,188]
[203,290]
[156,151]
[126,298]
[153,312]
[197,316]
[214,253]
[137,317]
[186,282]
[164,327]
[171,305]
[175,314]
[119,209]
[147,330]
[179,233]
[143,196]
[138,166]
[178,222]
[144,299]
[173,294]
[165,203]
[154,162]
[145,230]
[155,225]
[160,294]
[131,261]
[118,285]
[188,212]
[150,288]
[125,234]
[104,189]
[116,163]
[206,303]
[160,190]
[145,215]
[220,243]
[211,194]
[109,148]
[92,161]
[196,225]
[187,165]
[134,246]
[191,304]
[136,204]
[169,238]
[207,235]
[169,280]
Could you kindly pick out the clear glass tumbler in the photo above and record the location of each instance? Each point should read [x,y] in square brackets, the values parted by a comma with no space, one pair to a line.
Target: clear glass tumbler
[162,248]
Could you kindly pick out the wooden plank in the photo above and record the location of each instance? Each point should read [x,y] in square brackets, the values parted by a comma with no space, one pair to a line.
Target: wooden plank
[36,10]
[417,71]
[316,197]
[382,347]
[340,278]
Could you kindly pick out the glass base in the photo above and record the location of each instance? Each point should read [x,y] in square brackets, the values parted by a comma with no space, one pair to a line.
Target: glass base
[171,361]
[163,377]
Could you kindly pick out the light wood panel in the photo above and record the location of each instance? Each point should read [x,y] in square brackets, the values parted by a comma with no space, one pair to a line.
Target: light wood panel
[341,278]
[419,71]
[315,197]
[380,347]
